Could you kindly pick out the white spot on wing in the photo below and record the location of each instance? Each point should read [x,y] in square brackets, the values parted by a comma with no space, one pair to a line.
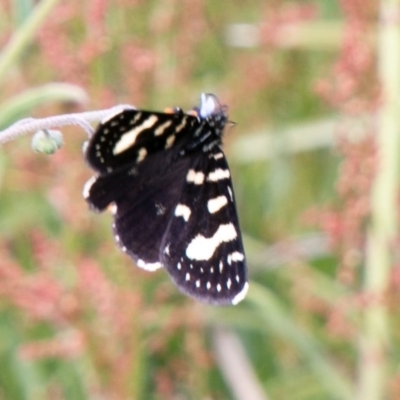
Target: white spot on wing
[187,277]
[221,266]
[113,208]
[218,174]
[148,266]
[166,249]
[128,139]
[170,141]
[208,285]
[195,177]
[160,209]
[235,257]
[202,248]
[216,204]
[142,154]
[228,283]
[181,125]
[219,287]
[87,186]
[198,283]
[230,193]
[160,130]
[136,118]
[218,156]
[241,295]
[182,211]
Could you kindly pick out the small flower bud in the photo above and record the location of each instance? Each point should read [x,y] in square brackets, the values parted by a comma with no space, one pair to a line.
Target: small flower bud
[47,141]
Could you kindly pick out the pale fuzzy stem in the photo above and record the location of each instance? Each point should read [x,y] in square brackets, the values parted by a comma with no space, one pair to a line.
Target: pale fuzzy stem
[31,125]
[383,231]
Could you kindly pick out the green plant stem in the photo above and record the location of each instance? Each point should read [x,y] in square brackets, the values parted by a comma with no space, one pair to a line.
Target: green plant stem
[383,231]
[23,104]
[10,53]
[275,316]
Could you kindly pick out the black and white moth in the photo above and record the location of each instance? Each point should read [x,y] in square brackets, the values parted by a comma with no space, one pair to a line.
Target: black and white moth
[169,185]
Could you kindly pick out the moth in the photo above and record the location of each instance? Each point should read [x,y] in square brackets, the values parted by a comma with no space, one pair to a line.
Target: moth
[169,186]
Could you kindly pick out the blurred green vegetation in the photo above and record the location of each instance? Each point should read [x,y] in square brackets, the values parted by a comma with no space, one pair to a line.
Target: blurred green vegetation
[77,320]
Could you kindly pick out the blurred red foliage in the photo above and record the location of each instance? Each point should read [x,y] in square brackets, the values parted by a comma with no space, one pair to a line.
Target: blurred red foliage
[353,90]
[353,87]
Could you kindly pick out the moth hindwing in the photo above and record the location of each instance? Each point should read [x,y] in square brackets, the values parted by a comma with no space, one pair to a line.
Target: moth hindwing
[169,185]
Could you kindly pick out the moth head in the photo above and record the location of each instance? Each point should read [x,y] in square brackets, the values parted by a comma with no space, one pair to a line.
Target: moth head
[209,106]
